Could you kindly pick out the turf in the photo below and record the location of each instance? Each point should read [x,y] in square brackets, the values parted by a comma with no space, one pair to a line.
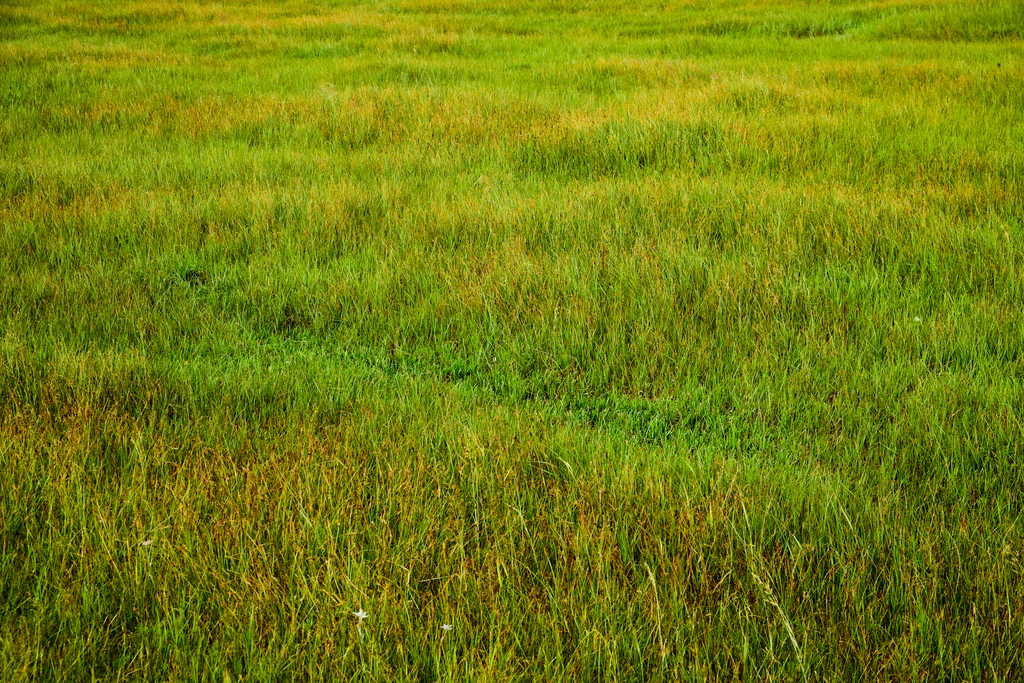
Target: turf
[632,341]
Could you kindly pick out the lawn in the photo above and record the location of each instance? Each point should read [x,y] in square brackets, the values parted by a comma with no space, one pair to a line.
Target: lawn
[656,341]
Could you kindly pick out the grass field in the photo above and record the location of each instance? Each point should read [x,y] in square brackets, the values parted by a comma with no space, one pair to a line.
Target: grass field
[629,340]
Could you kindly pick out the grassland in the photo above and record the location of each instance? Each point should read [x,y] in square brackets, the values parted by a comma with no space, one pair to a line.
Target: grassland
[634,341]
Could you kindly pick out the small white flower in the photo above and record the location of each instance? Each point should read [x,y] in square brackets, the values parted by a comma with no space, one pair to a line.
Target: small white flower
[149,557]
[446,627]
[360,615]
[916,319]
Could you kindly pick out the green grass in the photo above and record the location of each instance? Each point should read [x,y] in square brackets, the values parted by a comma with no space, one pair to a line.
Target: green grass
[636,341]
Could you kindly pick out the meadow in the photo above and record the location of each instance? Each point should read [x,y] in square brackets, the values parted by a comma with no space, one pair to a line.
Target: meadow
[626,341]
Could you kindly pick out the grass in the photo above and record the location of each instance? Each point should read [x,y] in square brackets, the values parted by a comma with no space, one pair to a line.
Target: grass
[635,341]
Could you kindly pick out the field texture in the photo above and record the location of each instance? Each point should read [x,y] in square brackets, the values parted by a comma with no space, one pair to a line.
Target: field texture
[562,340]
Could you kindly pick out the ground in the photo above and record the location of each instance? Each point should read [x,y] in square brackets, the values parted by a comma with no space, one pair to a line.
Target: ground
[633,341]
